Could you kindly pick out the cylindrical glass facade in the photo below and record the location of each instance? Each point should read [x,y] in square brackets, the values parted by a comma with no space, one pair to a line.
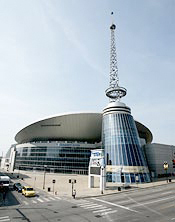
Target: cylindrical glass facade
[124,156]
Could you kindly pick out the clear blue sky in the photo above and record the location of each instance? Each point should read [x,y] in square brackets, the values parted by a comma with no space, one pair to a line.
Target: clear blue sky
[54,58]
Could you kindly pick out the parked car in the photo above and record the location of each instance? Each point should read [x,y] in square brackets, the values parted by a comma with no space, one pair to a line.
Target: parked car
[18,187]
[28,191]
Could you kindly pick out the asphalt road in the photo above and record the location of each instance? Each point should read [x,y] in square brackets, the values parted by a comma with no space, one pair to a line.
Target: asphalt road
[153,204]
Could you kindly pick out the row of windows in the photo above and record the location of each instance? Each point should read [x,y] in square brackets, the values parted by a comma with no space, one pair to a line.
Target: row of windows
[69,165]
[53,159]
[127,177]
[37,151]
[56,169]
[73,155]
[58,150]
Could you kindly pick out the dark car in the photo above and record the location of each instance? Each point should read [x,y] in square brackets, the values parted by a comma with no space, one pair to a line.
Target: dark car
[18,187]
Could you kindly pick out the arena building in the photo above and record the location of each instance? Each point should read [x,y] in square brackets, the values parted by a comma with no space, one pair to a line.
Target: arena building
[62,143]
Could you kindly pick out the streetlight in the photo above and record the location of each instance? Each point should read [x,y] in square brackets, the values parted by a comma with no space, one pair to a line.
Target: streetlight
[45,166]
[72,181]
[165,165]
[18,171]
[102,179]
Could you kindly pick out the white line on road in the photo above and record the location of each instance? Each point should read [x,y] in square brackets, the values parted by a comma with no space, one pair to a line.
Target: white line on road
[95,206]
[51,198]
[154,201]
[167,206]
[40,200]
[116,205]
[59,198]
[108,212]
[85,205]
[25,202]
[89,205]
[131,200]
[33,201]
[4,220]
[46,199]
[102,210]
[166,193]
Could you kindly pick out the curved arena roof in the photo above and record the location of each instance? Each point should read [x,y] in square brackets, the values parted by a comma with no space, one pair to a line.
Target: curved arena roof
[71,127]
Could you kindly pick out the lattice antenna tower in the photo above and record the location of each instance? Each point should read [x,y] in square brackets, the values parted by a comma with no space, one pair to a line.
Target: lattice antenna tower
[114,92]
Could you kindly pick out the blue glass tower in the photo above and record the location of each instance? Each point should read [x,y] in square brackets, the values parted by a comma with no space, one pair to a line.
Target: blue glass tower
[124,156]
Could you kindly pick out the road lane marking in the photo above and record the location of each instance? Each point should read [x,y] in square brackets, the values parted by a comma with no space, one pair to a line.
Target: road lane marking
[59,198]
[140,204]
[33,201]
[116,205]
[51,198]
[89,205]
[166,206]
[85,205]
[166,193]
[40,200]
[46,199]
[4,220]
[25,202]
[79,202]
[95,206]
[154,201]
[5,217]
[131,200]
[108,212]
[88,202]
[102,210]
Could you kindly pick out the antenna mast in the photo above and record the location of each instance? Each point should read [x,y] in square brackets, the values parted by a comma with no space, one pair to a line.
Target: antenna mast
[114,92]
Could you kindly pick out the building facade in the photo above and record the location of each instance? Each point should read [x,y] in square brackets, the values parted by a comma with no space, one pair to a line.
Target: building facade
[62,143]
[125,159]
[156,155]
[54,156]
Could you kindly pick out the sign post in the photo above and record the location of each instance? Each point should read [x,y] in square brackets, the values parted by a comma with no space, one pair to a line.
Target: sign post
[97,169]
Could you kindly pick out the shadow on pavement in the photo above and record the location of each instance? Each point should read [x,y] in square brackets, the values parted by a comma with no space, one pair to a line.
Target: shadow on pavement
[10,200]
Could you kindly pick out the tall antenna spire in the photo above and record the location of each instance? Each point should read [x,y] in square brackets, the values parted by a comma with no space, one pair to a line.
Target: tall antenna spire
[114,92]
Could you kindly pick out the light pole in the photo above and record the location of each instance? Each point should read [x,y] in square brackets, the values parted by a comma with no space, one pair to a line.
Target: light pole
[53,181]
[165,165]
[34,171]
[72,181]
[45,166]
[102,179]
[18,171]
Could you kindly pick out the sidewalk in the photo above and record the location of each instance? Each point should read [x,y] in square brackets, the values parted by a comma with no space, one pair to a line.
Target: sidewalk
[63,188]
